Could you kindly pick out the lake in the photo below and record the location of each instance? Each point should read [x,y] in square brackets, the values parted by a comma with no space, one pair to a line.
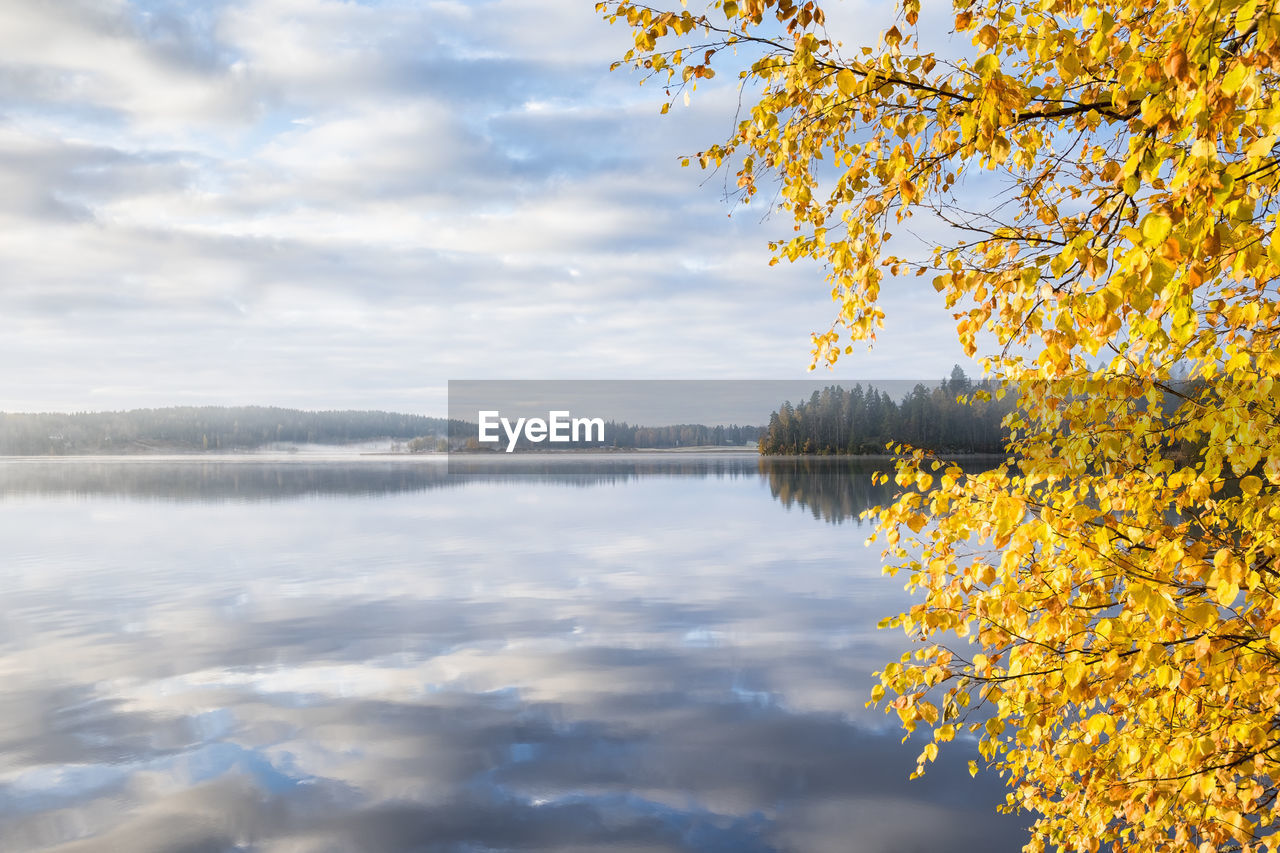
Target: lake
[629,652]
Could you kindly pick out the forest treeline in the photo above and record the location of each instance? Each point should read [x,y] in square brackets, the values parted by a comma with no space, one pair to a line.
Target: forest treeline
[240,428]
[188,428]
[857,421]
[622,435]
[680,435]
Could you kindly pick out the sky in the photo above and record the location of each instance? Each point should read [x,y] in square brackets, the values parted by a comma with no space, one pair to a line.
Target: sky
[327,205]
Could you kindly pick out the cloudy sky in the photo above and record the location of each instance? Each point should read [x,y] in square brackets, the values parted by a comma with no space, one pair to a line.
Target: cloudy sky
[333,204]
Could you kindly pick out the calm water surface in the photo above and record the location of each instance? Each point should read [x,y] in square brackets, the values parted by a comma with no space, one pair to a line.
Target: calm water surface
[640,653]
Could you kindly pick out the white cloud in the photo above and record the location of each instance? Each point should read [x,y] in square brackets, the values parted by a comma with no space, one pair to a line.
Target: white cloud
[327,203]
[109,56]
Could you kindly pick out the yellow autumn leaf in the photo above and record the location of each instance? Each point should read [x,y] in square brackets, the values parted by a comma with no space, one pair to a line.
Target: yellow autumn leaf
[846,82]
[1155,228]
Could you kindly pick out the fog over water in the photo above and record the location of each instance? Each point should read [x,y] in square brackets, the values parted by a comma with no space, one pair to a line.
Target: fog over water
[634,652]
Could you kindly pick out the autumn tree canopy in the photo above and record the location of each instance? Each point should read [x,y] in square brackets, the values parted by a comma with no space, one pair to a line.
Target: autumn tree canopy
[1101,179]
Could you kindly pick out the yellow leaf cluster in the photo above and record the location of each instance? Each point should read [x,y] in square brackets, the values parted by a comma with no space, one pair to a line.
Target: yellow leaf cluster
[1101,610]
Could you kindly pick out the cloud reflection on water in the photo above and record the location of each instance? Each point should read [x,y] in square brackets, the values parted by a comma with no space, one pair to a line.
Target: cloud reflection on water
[386,659]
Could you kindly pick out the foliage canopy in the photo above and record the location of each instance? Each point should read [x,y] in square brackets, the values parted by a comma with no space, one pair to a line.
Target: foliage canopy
[1100,183]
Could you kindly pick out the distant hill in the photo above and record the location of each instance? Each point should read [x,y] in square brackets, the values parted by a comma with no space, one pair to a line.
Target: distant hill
[205,428]
[194,429]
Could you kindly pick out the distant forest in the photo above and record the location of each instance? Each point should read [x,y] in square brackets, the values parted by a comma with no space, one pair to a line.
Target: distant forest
[184,429]
[188,428]
[680,435]
[862,421]
[622,435]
